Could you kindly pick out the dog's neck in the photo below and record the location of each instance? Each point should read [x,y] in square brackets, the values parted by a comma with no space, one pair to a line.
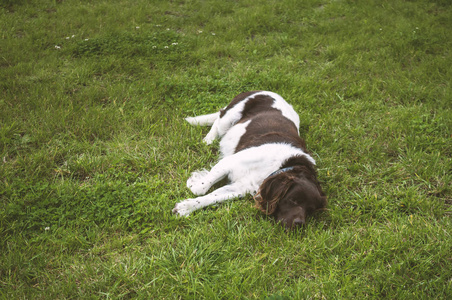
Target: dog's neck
[298,160]
[281,171]
[291,163]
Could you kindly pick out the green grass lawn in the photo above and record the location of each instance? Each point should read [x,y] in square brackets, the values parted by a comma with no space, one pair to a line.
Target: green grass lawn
[95,152]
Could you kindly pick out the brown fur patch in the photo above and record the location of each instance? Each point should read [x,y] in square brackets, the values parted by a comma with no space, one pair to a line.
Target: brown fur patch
[236,100]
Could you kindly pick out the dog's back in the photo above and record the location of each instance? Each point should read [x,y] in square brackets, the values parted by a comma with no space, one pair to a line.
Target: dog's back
[253,119]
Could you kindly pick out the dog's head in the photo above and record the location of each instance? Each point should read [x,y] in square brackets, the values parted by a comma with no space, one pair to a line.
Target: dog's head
[291,196]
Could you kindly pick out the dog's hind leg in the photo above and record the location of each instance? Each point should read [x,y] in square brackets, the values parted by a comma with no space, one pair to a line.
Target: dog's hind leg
[204,120]
[213,133]
[207,120]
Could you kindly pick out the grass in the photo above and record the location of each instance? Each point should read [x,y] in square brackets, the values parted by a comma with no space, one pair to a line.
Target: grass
[95,151]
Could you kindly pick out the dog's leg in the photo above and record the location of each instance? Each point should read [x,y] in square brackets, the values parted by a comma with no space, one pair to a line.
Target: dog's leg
[198,183]
[207,120]
[185,207]
[204,120]
[213,133]
[201,181]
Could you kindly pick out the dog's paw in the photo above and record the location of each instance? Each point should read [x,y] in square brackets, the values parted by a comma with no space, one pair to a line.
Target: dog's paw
[191,120]
[198,183]
[208,139]
[184,208]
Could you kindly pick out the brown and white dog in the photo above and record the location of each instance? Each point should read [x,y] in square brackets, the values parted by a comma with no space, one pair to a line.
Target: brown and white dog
[262,154]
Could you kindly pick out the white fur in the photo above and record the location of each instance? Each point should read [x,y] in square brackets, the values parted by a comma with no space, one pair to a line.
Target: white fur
[231,139]
[221,126]
[204,120]
[285,108]
[246,169]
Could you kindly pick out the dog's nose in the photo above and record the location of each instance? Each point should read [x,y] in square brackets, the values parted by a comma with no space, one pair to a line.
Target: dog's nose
[298,222]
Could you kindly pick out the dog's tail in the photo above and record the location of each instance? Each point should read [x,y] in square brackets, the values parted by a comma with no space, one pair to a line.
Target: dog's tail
[204,120]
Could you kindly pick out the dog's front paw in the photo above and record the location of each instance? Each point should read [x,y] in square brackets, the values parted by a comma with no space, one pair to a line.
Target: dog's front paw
[184,208]
[198,183]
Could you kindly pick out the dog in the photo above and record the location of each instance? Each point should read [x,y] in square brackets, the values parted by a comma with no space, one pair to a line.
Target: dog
[261,154]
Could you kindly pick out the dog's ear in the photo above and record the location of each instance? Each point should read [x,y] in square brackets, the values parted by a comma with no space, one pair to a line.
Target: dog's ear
[322,203]
[271,191]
